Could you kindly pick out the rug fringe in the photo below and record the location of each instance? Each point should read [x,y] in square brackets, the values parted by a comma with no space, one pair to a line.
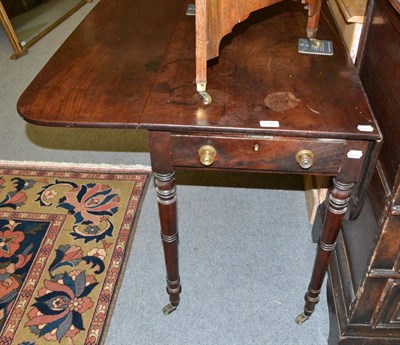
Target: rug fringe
[71,165]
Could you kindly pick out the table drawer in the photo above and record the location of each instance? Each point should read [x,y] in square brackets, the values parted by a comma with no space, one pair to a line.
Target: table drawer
[256,153]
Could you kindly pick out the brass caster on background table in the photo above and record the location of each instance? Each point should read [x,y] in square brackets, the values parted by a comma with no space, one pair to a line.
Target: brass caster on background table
[314,46]
[315,43]
[204,95]
[168,309]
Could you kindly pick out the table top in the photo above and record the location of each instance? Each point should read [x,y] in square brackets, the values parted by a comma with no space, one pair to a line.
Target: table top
[102,75]
[136,69]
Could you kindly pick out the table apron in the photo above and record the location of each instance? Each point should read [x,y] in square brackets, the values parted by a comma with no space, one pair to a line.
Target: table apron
[245,152]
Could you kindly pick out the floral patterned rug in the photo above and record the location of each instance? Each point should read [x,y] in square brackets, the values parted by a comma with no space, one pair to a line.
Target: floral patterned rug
[65,235]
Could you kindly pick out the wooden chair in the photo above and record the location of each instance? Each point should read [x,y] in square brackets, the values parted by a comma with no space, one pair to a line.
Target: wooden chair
[216,18]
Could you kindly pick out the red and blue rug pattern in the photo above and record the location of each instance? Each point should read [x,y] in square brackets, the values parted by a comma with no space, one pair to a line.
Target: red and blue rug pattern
[65,235]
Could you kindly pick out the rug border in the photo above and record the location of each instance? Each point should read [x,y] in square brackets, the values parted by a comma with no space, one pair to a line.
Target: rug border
[124,265]
[110,168]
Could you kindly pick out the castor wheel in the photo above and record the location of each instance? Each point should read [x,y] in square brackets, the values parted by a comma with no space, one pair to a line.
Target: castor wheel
[168,309]
[205,97]
[301,318]
[315,43]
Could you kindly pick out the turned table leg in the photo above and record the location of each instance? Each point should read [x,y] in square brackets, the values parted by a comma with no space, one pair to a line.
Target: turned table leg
[166,198]
[338,201]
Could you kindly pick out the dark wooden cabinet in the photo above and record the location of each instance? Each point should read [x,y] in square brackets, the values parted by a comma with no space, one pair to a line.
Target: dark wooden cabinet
[364,284]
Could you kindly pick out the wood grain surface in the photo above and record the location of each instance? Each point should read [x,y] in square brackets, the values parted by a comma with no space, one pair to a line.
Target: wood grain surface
[108,74]
[102,75]
[260,76]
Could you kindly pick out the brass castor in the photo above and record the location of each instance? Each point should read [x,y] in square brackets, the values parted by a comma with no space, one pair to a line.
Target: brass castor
[168,309]
[315,43]
[311,35]
[205,97]
[301,318]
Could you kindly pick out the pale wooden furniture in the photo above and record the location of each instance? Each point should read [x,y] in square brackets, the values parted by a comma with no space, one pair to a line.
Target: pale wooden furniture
[215,19]
[349,16]
[316,189]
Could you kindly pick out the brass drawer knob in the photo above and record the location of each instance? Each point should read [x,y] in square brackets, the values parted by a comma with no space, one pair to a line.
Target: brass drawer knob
[305,158]
[207,154]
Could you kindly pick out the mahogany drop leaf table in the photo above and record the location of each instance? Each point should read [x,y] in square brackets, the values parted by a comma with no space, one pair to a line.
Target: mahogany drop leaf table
[274,110]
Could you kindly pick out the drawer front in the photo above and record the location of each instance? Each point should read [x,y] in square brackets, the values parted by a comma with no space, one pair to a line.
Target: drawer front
[254,153]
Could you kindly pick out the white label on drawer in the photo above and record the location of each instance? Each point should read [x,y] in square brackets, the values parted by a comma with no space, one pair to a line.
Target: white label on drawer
[365,128]
[273,124]
[354,154]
